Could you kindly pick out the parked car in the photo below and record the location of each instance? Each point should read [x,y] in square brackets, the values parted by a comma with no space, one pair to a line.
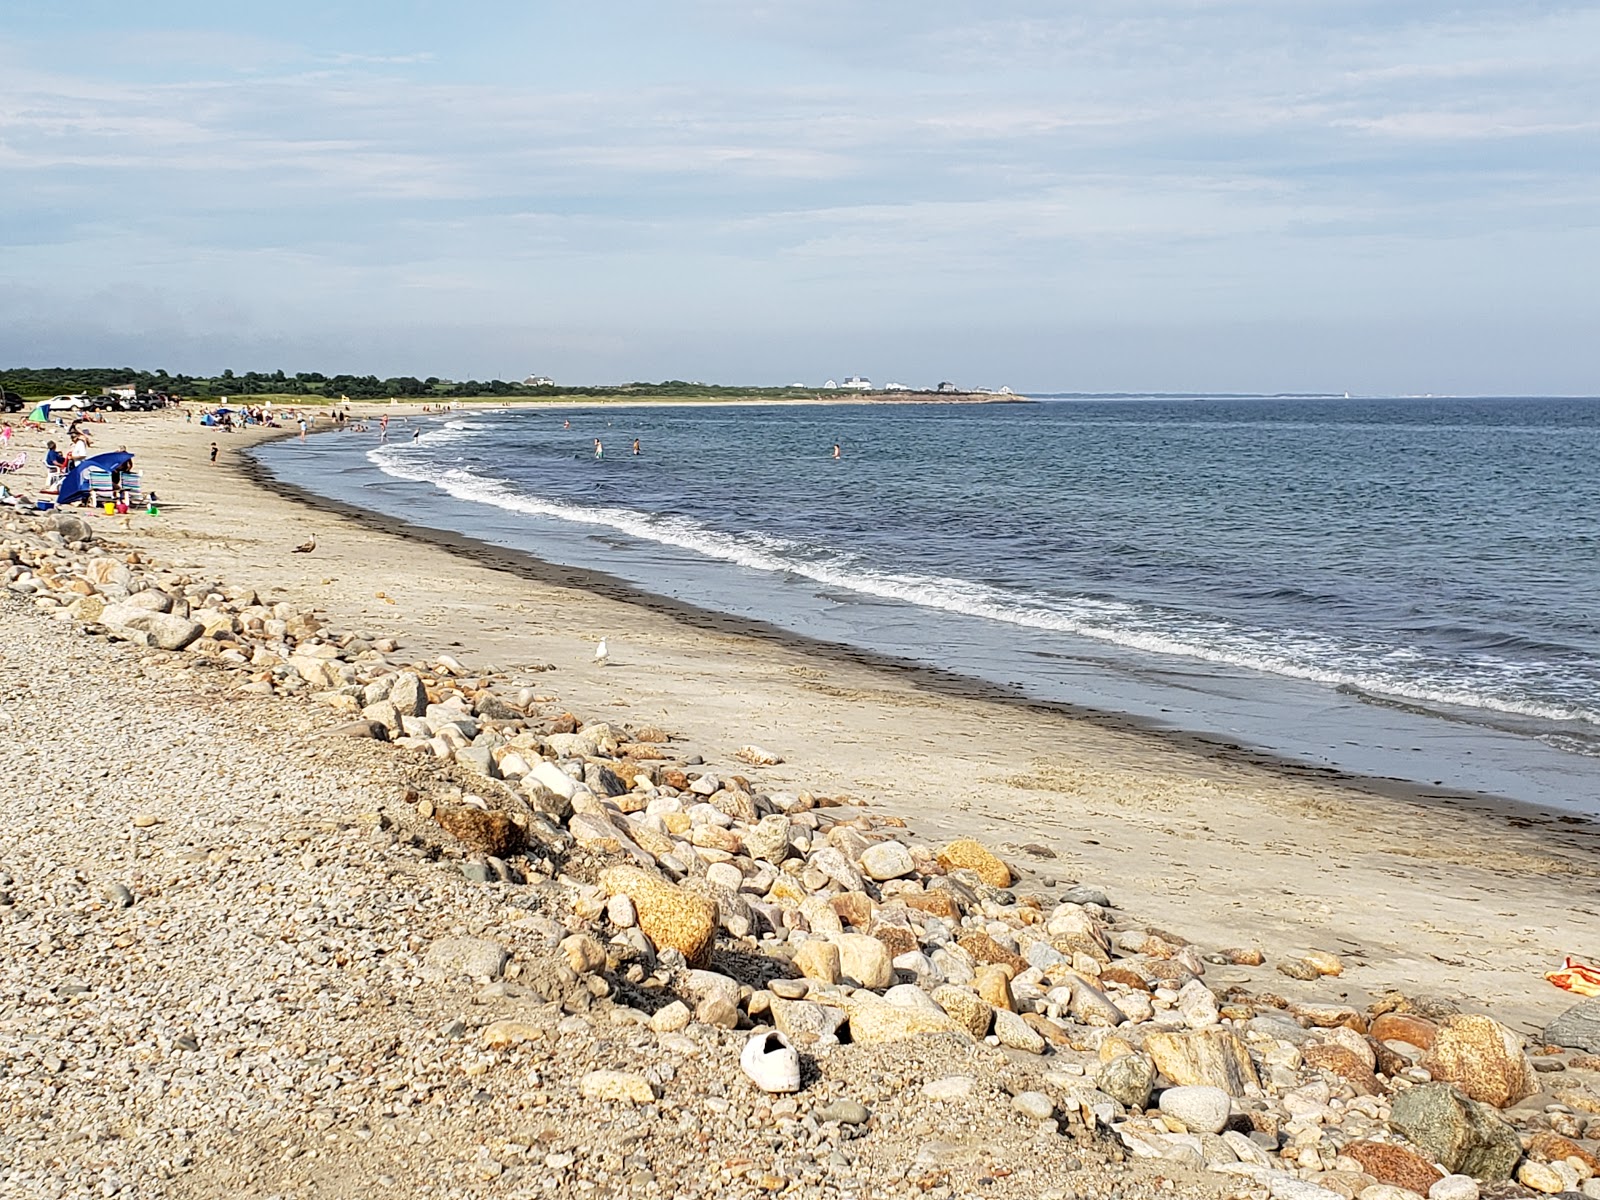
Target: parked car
[11,402]
[83,402]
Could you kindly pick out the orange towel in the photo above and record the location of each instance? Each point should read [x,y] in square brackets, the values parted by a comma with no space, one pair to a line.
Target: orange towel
[1577,977]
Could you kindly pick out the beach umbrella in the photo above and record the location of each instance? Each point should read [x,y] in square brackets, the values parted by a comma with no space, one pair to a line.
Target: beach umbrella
[74,484]
[40,415]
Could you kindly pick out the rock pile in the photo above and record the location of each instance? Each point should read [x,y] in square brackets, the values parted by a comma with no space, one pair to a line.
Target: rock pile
[693,896]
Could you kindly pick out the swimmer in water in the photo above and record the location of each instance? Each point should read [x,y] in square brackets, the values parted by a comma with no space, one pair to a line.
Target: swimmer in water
[599,450]
[636,445]
[836,451]
[566,424]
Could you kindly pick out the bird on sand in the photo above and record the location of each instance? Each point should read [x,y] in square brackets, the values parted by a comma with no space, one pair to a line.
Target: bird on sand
[600,655]
[306,547]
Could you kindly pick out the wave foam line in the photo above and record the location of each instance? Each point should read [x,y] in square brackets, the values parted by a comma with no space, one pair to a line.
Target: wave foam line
[761,552]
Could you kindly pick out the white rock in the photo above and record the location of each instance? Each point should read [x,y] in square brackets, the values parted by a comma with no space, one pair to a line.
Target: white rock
[1197,1004]
[951,1087]
[887,860]
[1034,1105]
[1454,1187]
[1201,1109]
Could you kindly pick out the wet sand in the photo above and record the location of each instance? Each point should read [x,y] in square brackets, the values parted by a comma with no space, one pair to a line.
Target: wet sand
[1462,896]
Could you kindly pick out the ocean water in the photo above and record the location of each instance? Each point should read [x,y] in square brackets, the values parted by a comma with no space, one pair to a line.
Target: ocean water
[1399,587]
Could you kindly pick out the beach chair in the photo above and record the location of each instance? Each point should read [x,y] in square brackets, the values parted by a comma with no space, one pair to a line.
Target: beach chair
[98,481]
[15,464]
[132,490]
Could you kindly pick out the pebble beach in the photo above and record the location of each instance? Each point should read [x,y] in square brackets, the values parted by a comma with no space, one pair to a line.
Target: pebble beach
[355,870]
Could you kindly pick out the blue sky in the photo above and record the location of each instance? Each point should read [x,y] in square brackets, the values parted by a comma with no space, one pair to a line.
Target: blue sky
[1206,194]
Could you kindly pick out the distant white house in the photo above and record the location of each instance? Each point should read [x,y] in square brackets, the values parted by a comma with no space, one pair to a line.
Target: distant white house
[830,386]
[946,386]
[897,387]
[538,381]
[857,383]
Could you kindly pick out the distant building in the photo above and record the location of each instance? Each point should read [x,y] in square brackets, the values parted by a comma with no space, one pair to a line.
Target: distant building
[830,386]
[857,383]
[897,387]
[946,386]
[538,381]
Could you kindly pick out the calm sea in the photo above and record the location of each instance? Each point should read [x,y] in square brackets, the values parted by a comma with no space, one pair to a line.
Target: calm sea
[1400,587]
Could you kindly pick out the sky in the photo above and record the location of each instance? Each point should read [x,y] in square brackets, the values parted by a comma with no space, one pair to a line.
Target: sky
[1258,195]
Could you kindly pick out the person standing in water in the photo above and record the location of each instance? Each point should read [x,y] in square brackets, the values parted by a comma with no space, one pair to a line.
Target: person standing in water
[636,445]
[599,450]
[836,451]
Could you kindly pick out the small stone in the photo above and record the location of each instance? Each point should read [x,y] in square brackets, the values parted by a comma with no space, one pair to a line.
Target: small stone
[1201,1109]
[616,1086]
[970,1010]
[1325,963]
[994,986]
[501,1034]
[950,1087]
[1016,1033]
[1197,1005]
[145,820]
[887,860]
[584,953]
[1396,1165]
[973,855]
[818,960]
[846,1112]
[1036,1106]
[1455,1187]
[1541,1177]
[674,1018]
[476,957]
[620,912]
[1128,1079]
[864,960]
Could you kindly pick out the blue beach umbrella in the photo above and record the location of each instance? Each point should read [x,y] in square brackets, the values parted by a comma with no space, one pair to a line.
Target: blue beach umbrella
[74,485]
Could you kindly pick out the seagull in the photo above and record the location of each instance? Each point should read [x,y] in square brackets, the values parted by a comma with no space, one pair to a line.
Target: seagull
[306,547]
[600,652]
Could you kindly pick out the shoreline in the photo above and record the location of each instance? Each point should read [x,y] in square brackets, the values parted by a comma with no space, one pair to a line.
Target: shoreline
[939,681]
[1206,837]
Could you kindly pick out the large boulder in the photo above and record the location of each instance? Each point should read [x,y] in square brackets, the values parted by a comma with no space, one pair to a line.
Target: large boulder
[668,915]
[1398,1166]
[874,1021]
[1458,1133]
[164,631]
[966,852]
[1212,1057]
[1483,1058]
[1578,1027]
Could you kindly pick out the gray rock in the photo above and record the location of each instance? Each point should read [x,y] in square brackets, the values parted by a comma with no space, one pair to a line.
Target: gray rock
[1036,1106]
[1128,1079]
[477,957]
[164,631]
[887,860]
[480,759]
[1463,1136]
[359,729]
[1201,1109]
[1578,1027]
[71,528]
[1085,895]
[846,1112]
[408,695]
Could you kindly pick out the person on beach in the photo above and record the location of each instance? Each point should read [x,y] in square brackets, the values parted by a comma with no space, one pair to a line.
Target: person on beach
[302,429]
[55,463]
[213,454]
[7,434]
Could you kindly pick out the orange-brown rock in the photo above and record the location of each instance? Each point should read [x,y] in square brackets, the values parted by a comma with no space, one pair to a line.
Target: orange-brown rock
[1397,1166]
[672,777]
[1047,1029]
[1244,956]
[939,903]
[897,939]
[1343,1062]
[993,984]
[1483,1058]
[1403,1027]
[488,832]
[854,908]
[1545,1146]
[1126,975]
[974,856]
[668,915]
[984,949]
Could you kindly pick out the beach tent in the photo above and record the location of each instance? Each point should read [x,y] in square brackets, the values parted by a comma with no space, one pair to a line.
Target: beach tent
[75,483]
[40,415]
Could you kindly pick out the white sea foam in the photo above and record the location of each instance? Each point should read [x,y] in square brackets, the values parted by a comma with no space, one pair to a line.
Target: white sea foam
[1305,656]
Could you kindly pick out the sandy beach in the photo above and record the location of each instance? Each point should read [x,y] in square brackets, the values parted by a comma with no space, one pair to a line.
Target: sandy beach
[1443,895]
[1455,903]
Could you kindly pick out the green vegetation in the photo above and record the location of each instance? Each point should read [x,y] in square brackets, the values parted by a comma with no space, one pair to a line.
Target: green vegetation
[314,386]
